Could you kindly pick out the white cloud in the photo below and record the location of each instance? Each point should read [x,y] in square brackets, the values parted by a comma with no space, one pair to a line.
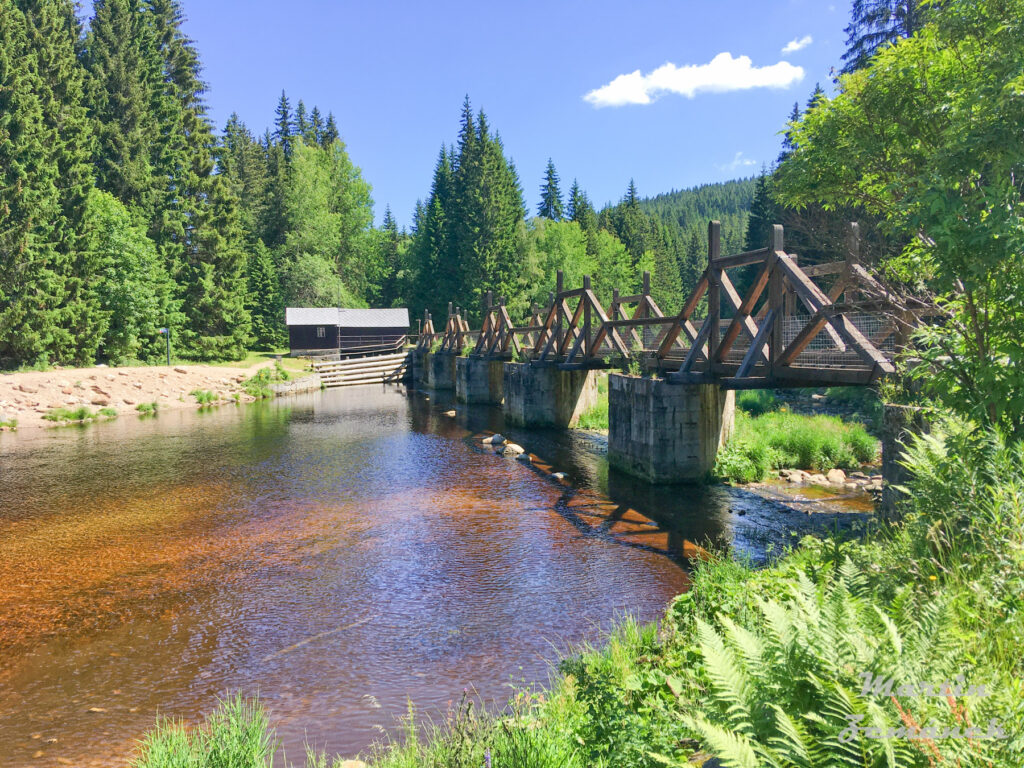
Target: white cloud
[738,161]
[795,45]
[720,75]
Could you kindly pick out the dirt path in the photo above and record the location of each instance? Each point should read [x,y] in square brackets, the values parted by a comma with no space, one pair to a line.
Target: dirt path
[27,396]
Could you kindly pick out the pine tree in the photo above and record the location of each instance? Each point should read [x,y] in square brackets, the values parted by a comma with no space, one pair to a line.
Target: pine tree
[764,212]
[875,23]
[550,196]
[301,120]
[199,232]
[31,277]
[53,33]
[264,302]
[330,134]
[243,163]
[316,127]
[284,130]
[120,94]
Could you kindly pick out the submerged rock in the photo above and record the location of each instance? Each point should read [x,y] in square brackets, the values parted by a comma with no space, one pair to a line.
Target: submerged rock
[493,440]
[558,475]
[511,449]
[450,414]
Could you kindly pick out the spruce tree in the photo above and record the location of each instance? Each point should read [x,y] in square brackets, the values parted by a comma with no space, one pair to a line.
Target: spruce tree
[550,196]
[764,212]
[53,34]
[875,23]
[283,129]
[31,275]
[330,134]
[264,302]
[316,127]
[243,163]
[301,120]
[120,97]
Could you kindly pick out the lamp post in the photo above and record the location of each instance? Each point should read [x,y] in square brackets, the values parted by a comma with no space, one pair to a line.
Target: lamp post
[166,333]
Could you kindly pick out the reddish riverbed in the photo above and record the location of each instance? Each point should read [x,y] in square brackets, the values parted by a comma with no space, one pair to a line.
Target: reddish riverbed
[339,554]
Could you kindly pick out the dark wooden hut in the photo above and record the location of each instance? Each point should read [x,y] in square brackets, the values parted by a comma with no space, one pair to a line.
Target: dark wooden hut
[345,332]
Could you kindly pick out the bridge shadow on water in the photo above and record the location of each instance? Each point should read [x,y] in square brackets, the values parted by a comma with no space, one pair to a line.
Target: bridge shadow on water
[678,521]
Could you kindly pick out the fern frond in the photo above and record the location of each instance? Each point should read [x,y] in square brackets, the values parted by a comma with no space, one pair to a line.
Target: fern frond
[733,750]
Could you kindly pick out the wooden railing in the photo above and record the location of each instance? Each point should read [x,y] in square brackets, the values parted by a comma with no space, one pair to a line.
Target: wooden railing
[818,325]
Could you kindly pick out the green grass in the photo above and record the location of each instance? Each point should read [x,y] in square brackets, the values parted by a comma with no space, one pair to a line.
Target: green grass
[147,409]
[259,386]
[761,667]
[781,439]
[11,424]
[108,412]
[204,396]
[68,415]
[596,416]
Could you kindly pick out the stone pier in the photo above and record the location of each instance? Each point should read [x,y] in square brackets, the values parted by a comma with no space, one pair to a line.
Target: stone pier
[666,433]
[546,396]
[478,380]
[899,424]
[438,371]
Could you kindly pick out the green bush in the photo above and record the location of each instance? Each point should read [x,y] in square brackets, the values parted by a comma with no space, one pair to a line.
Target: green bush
[11,424]
[756,401]
[147,409]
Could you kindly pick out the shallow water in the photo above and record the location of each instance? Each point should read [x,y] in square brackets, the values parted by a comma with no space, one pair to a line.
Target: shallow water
[339,553]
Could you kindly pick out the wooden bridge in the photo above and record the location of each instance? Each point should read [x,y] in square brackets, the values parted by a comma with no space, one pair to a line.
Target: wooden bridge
[818,325]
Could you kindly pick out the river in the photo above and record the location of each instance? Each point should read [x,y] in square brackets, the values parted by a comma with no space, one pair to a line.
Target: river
[339,553]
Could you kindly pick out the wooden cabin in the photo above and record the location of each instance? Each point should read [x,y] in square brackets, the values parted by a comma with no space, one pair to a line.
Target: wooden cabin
[333,331]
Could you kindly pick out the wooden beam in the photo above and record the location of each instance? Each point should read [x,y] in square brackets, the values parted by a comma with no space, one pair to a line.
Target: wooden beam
[742,259]
[742,318]
[755,346]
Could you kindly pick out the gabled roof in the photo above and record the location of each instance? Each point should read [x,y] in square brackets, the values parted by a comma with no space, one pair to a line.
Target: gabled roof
[348,318]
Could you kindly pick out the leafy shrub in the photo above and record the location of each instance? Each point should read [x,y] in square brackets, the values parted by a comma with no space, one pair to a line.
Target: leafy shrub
[108,412]
[11,424]
[147,409]
[756,401]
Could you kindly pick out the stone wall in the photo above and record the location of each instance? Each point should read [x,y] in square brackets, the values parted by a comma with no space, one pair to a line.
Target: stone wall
[309,383]
[479,381]
[546,396]
[666,433]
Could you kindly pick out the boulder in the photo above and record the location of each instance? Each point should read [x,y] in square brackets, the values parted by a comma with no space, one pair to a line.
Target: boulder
[27,389]
[524,457]
[858,476]
[180,370]
[101,401]
[836,476]
[818,479]
[511,449]
[494,440]
[797,476]
[558,475]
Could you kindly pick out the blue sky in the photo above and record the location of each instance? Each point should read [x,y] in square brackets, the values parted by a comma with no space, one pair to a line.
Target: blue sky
[395,74]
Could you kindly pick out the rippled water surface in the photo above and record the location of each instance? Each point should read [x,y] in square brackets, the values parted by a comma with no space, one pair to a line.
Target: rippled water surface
[339,553]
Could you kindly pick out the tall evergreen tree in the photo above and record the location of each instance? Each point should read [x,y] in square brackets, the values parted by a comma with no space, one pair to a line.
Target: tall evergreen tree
[31,275]
[316,127]
[550,195]
[330,134]
[301,120]
[120,97]
[875,23]
[243,163]
[53,34]
[284,129]
[764,212]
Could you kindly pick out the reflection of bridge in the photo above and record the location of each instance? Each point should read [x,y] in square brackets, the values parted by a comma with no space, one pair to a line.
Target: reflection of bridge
[826,324]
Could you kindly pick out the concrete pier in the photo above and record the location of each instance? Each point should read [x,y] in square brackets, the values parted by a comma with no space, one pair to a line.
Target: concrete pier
[666,433]
[478,380]
[437,371]
[546,396]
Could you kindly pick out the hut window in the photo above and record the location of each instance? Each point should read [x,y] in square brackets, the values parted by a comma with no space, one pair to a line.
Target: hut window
[320,332]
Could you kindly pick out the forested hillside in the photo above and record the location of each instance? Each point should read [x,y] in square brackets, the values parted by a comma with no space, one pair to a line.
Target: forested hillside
[123,211]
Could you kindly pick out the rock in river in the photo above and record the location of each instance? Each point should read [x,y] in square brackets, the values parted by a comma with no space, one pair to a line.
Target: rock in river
[511,449]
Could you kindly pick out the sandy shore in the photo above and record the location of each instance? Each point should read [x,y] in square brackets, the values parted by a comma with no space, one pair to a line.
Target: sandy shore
[27,396]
